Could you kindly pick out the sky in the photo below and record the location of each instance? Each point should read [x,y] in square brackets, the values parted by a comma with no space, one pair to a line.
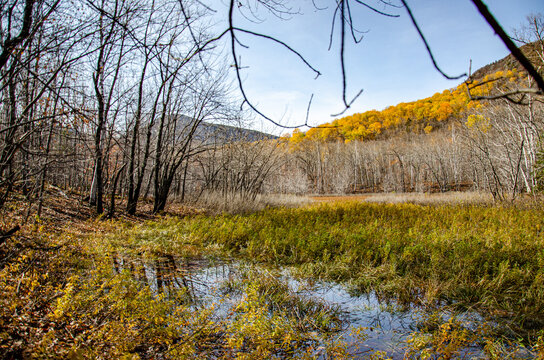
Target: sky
[390,64]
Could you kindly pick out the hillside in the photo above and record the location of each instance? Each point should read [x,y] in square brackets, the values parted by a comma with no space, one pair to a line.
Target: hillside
[230,133]
[448,141]
[209,132]
[533,51]
[428,114]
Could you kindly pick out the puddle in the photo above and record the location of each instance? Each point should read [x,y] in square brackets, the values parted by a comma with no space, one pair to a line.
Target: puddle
[199,277]
[387,325]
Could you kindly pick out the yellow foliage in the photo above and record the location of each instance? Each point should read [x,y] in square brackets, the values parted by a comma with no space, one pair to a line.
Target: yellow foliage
[478,122]
[442,106]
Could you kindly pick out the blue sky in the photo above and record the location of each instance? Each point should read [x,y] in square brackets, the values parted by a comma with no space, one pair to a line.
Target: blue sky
[390,63]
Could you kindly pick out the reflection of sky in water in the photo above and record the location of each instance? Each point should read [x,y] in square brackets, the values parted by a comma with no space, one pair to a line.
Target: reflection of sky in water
[387,324]
[387,327]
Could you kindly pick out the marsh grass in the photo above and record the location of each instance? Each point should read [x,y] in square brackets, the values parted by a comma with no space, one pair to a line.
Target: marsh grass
[90,298]
[70,301]
[487,257]
[214,203]
[445,198]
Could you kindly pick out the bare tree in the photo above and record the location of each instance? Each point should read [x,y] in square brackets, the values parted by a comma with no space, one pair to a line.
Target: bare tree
[198,98]
[34,78]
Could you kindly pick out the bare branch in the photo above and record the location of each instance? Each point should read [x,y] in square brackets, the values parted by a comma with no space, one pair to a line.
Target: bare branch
[506,95]
[318,73]
[10,44]
[376,10]
[342,58]
[427,45]
[7,234]
[516,52]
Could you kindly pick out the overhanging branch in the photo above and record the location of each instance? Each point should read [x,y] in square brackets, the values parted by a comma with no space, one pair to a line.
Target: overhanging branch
[516,52]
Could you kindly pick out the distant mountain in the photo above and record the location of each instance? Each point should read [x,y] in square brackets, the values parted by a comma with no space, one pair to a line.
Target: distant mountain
[220,133]
[229,133]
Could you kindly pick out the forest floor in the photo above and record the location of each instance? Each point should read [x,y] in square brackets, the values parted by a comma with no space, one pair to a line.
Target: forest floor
[74,286]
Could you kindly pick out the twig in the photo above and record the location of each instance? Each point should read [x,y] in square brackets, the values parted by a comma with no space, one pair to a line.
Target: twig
[347,106]
[308,108]
[231,30]
[376,10]
[427,45]
[352,28]
[6,235]
[516,52]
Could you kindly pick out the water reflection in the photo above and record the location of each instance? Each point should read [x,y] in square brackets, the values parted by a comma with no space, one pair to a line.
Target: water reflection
[198,278]
[205,281]
[387,324]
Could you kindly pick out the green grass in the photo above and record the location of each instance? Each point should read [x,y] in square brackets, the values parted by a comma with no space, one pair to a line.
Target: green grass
[68,299]
[491,258]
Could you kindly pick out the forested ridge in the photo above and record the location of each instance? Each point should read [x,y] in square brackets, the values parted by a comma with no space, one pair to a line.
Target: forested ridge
[436,111]
[485,134]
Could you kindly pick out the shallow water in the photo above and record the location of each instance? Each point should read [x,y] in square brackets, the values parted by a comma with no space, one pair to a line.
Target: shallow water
[387,325]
